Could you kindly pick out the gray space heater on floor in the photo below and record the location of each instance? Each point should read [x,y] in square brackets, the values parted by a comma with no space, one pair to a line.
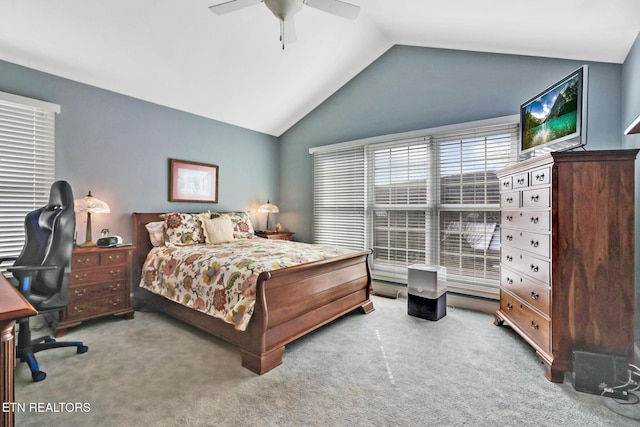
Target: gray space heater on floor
[427,291]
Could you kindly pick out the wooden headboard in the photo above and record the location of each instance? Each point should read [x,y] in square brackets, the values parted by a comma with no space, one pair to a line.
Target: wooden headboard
[141,235]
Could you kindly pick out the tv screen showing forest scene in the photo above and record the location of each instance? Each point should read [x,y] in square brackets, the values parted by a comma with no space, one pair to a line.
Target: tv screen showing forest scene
[554,115]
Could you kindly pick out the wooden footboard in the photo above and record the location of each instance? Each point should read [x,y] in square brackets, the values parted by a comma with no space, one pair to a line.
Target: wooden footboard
[290,302]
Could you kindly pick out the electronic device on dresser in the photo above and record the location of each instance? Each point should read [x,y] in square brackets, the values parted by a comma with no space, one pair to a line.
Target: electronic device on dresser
[556,118]
[567,254]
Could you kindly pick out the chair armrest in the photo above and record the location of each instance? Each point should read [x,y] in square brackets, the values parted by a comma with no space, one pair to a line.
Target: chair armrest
[29,273]
[8,258]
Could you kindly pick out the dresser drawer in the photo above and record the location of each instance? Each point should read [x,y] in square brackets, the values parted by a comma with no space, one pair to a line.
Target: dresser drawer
[510,200]
[90,308]
[533,220]
[536,243]
[113,258]
[526,319]
[536,198]
[527,264]
[536,294]
[102,274]
[521,180]
[96,290]
[85,260]
[540,176]
[506,184]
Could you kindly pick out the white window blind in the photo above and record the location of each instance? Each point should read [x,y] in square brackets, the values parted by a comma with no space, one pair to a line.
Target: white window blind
[338,198]
[400,205]
[27,164]
[431,198]
[469,205]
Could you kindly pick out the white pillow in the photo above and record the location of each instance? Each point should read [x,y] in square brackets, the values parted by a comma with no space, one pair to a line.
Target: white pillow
[156,232]
[218,230]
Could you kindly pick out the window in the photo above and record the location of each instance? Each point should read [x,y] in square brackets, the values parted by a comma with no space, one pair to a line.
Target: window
[338,198]
[430,197]
[27,164]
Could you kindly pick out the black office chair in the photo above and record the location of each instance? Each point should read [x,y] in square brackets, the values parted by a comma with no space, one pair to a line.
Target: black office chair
[42,270]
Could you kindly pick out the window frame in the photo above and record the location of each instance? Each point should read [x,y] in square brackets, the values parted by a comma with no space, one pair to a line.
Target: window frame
[433,208]
[27,164]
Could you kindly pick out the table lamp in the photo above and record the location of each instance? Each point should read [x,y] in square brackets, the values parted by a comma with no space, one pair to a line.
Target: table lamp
[89,205]
[268,208]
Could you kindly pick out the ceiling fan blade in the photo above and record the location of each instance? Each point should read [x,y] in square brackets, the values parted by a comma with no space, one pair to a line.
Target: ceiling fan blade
[287,31]
[335,7]
[232,6]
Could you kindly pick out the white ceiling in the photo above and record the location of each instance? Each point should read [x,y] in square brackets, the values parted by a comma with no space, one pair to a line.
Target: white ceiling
[232,67]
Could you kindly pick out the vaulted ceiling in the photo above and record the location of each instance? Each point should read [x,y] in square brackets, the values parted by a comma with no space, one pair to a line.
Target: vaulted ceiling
[232,67]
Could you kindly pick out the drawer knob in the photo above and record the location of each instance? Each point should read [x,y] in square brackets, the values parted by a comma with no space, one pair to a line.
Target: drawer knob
[509,306]
[534,295]
[509,280]
[79,277]
[520,180]
[509,258]
[78,293]
[540,177]
[78,309]
[509,218]
[534,325]
[83,261]
[115,287]
[505,184]
[114,273]
[535,198]
[509,237]
[509,199]
[114,258]
[534,220]
[534,268]
[535,243]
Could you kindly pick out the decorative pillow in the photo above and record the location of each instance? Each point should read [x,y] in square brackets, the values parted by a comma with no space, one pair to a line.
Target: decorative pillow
[156,232]
[183,229]
[218,230]
[242,228]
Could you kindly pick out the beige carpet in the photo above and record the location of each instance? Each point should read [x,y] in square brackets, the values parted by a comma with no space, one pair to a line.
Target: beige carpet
[381,369]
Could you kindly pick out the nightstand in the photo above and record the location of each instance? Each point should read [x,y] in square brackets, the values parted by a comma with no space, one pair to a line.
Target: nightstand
[275,235]
[100,285]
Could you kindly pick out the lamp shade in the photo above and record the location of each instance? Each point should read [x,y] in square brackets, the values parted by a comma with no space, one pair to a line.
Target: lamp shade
[268,208]
[90,204]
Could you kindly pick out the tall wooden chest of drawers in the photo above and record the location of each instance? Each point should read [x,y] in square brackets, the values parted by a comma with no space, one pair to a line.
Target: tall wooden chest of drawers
[99,286]
[567,254]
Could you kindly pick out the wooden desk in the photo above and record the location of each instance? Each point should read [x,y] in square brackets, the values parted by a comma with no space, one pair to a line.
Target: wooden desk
[12,306]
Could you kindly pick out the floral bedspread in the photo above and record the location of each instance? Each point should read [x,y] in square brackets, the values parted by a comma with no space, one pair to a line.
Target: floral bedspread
[220,280]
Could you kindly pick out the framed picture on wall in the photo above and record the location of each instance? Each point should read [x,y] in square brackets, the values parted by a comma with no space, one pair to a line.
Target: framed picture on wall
[192,182]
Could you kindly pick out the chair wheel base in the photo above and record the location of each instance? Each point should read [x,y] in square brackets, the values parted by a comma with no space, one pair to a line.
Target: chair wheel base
[38,376]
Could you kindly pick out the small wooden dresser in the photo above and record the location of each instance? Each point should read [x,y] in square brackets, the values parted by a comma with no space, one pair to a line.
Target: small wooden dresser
[99,286]
[567,254]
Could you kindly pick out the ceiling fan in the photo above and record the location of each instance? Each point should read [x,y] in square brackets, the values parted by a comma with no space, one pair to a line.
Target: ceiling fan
[284,10]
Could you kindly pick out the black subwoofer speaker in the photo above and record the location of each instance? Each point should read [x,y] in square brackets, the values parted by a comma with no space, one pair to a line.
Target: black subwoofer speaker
[592,372]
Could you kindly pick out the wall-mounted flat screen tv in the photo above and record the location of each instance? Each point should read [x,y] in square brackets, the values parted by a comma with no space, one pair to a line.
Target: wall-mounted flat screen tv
[555,119]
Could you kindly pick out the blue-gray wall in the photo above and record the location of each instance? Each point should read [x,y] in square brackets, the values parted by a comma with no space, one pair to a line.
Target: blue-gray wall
[410,88]
[118,147]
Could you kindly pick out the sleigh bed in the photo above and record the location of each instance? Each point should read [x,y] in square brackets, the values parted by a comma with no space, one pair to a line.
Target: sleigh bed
[289,301]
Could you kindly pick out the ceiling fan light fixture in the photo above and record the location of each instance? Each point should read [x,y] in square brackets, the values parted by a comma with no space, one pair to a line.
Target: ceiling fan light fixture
[284,9]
